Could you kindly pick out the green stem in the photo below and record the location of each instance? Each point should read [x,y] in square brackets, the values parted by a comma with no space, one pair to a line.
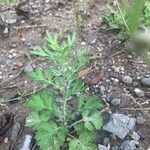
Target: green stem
[123,18]
[79,121]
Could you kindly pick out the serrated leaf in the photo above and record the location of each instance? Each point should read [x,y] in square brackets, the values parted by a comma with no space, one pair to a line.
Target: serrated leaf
[87,104]
[34,118]
[44,76]
[93,121]
[50,136]
[84,142]
[43,100]
[36,75]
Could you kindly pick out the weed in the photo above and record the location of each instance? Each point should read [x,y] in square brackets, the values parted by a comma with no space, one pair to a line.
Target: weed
[6,1]
[125,19]
[63,117]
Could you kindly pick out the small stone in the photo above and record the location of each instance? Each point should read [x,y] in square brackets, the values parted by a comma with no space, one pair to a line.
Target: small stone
[102,147]
[116,80]
[15,131]
[10,56]
[6,140]
[109,98]
[146,81]
[47,1]
[106,141]
[6,32]
[11,51]
[127,80]
[27,142]
[134,145]
[11,21]
[116,102]
[135,136]
[115,148]
[14,54]
[125,145]
[140,120]
[139,92]
[102,88]
[28,68]
[1,77]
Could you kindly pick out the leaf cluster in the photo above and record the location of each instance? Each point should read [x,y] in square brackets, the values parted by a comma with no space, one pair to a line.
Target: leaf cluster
[56,123]
[127,17]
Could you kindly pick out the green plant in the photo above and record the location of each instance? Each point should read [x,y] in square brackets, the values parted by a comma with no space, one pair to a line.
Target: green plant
[6,1]
[125,20]
[63,117]
[146,20]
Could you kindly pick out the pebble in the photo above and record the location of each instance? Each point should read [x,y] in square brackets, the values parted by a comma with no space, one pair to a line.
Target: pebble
[116,102]
[12,51]
[28,68]
[106,141]
[140,120]
[6,140]
[11,21]
[15,131]
[130,145]
[135,136]
[102,147]
[6,32]
[109,98]
[127,80]
[139,92]
[115,148]
[146,81]
[116,80]
[1,77]
[27,142]
[102,88]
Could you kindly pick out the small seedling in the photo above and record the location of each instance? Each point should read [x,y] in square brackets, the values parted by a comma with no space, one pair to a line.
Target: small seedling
[62,116]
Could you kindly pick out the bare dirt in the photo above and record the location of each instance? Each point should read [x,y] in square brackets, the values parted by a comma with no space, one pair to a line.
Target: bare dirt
[111,60]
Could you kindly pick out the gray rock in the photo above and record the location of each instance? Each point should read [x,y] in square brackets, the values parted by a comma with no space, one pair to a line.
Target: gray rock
[127,80]
[28,68]
[133,145]
[116,102]
[102,147]
[139,92]
[125,145]
[109,98]
[15,131]
[120,125]
[140,120]
[135,136]
[11,21]
[115,148]
[146,81]
[130,145]
[106,141]
[27,142]
[6,32]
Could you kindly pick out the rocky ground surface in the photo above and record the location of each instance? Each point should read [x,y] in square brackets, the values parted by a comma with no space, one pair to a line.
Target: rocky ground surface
[117,76]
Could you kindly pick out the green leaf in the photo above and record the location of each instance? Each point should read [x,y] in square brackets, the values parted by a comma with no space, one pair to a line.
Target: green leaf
[39,52]
[35,118]
[43,100]
[134,15]
[93,121]
[49,136]
[87,104]
[44,76]
[84,142]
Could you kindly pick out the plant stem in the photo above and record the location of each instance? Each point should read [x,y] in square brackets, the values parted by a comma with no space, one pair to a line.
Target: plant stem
[76,123]
[123,16]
